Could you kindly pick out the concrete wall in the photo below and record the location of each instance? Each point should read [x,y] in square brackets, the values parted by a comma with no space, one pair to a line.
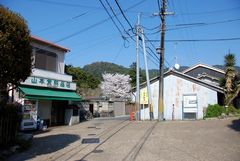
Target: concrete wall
[69,118]
[44,109]
[119,108]
[174,89]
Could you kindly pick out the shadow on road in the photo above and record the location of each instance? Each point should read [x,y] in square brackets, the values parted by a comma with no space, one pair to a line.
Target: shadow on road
[46,145]
[235,125]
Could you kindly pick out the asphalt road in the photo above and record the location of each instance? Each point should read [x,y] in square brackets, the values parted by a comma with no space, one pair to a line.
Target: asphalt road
[120,139]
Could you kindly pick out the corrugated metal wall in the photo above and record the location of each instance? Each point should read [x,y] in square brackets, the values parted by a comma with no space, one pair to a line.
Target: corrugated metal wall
[174,89]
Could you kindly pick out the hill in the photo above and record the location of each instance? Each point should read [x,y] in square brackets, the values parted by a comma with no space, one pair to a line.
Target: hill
[98,68]
[222,67]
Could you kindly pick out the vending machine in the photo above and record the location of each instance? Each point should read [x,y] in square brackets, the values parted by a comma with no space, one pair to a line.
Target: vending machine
[29,111]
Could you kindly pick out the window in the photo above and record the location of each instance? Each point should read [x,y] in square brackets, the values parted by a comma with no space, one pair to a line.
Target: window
[189,115]
[144,105]
[75,112]
[45,60]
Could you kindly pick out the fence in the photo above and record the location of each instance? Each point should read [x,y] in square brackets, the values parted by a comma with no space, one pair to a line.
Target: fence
[130,107]
[9,125]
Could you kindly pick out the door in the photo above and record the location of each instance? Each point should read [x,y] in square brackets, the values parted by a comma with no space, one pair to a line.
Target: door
[190,106]
[58,112]
[91,108]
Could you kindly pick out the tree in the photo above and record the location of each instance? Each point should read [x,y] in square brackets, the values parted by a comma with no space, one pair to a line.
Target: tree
[132,73]
[83,79]
[98,68]
[116,86]
[15,51]
[231,81]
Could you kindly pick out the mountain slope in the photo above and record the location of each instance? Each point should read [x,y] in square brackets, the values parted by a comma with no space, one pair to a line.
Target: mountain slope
[98,68]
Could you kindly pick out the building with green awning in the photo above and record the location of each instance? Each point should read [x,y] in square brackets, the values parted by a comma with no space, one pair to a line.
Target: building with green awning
[47,93]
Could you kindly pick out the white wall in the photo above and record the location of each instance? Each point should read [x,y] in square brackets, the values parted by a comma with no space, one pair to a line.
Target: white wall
[174,89]
[44,109]
[60,56]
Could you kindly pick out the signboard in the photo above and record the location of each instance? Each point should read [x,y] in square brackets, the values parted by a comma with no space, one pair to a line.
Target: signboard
[48,82]
[190,101]
[143,96]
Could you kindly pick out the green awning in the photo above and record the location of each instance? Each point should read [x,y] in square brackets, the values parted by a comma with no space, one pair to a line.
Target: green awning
[49,94]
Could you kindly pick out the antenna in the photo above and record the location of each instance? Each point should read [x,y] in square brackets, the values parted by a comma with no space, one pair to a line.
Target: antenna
[176,66]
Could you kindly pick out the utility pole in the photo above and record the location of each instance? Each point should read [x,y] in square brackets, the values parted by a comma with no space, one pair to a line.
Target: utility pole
[160,51]
[147,76]
[137,70]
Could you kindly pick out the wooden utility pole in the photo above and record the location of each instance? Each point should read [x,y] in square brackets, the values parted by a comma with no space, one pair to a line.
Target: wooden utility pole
[160,51]
[161,64]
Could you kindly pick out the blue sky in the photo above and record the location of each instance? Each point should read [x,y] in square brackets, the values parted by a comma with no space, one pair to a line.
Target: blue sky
[56,20]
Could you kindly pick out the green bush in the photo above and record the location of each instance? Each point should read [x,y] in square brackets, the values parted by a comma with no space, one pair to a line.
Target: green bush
[215,110]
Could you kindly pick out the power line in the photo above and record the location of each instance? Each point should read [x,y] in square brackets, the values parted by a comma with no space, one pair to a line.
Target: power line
[153,28]
[122,12]
[129,25]
[195,24]
[75,5]
[155,52]
[209,12]
[115,15]
[91,26]
[199,40]
[68,4]
[61,23]
[95,24]
[112,19]
[203,24]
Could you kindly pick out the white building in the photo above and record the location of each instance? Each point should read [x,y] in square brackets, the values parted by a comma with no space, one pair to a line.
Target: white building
[47,93]
[185,97]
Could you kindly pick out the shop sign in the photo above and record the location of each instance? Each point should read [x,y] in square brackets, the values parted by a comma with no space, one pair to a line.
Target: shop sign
[144,96]
[48,82]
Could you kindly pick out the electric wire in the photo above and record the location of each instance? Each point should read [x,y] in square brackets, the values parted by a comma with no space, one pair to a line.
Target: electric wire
[210,12]
[122,12]
[91,26]
[112,20]
[61,23]
[130,29]
[199,40]
[204,24]
[115,15]
[192,25]
[154,28]
[76,5]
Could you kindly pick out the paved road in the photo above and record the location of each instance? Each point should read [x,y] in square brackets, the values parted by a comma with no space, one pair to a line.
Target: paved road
[212,140]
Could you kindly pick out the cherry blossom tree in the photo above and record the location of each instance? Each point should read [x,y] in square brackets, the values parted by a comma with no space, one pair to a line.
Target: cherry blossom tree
[116,86]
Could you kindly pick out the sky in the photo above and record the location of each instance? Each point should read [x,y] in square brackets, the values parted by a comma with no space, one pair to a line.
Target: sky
[85,28]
